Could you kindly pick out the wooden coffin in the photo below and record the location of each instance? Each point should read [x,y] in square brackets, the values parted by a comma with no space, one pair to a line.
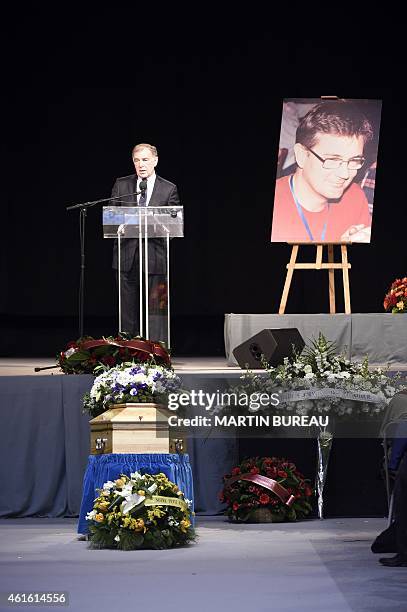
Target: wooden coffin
[134,428]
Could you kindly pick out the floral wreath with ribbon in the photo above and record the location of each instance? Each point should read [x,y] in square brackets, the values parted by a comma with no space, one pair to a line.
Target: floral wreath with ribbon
[87,355]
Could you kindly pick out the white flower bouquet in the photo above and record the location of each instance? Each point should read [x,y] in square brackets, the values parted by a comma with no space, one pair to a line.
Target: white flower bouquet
[319,381]
[131,383]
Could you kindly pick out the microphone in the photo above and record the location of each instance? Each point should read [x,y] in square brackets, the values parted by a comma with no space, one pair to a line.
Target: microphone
[143,185]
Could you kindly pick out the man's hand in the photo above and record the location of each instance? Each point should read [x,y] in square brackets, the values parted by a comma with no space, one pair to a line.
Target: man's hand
[357,233]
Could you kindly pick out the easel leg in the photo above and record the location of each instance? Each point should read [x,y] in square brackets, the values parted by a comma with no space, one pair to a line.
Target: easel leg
[287,284]
[345,272]
[331,274]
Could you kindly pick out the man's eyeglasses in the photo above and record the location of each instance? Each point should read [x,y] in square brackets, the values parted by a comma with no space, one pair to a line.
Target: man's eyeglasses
[331,163]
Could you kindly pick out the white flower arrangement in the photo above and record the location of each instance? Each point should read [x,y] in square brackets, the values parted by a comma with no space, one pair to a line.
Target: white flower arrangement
[131,383]
[320,381]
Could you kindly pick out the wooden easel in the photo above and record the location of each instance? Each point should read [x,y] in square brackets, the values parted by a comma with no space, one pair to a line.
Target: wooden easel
[319,265]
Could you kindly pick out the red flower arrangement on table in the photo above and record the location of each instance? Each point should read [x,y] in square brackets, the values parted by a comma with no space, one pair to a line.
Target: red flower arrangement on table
[247,500]
[396,299]
[87,355]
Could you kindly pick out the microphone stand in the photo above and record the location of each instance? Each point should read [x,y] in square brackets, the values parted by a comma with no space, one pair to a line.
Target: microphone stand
[83,207]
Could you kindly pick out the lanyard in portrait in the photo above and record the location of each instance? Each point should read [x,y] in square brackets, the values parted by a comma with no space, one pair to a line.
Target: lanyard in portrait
[301,213]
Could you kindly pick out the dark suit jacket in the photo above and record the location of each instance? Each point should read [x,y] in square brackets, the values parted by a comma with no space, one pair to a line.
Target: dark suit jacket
[164,194]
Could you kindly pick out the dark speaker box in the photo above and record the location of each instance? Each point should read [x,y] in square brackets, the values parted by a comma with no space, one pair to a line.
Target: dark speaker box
[274,344]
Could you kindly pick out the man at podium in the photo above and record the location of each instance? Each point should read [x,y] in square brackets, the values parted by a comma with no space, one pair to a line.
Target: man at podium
[153,191]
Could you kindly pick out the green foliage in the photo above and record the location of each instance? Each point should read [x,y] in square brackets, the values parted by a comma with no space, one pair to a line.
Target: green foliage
[317,348]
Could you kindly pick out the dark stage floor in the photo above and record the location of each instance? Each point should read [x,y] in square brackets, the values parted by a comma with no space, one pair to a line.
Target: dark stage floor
[310,565]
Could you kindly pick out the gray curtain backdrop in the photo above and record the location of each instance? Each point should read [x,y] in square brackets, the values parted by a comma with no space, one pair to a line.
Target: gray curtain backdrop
[381,336]
[45,445]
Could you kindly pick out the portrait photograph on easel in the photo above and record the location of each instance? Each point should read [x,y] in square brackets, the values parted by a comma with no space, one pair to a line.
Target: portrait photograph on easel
[326,170]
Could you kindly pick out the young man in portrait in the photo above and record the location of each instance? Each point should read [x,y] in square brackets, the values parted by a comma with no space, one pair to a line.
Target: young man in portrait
[320,202]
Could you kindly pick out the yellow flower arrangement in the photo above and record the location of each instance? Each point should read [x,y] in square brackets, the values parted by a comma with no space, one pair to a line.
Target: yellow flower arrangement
[140,511]
[185,525]
[103,506]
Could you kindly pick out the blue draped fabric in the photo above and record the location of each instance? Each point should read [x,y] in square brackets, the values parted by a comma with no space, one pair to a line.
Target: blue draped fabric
[102,468]
[44,444]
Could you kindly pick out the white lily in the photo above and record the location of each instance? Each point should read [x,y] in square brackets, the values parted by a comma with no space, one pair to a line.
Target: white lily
[108,485]
[133,501]
[126,491]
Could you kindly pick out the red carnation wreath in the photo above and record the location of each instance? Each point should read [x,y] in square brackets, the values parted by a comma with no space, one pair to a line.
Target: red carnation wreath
[266,489]
[86,355]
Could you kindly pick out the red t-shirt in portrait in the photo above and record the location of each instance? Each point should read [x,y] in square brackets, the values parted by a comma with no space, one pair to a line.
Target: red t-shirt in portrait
[351,209]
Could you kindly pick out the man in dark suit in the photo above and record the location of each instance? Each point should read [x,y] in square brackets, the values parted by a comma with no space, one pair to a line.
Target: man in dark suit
[159,192]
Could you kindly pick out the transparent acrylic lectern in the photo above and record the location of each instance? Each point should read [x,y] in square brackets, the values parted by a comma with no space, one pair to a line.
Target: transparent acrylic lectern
[150,228]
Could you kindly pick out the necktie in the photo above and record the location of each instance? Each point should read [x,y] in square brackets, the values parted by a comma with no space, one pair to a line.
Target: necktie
[143,198]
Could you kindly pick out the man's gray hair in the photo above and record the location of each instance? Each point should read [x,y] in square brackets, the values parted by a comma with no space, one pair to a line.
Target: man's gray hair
[144,145]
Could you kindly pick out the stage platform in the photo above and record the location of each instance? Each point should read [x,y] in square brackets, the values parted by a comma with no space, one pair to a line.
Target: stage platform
[25,366]
[380,336]
[45,432]
[202,367]
[46,444]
